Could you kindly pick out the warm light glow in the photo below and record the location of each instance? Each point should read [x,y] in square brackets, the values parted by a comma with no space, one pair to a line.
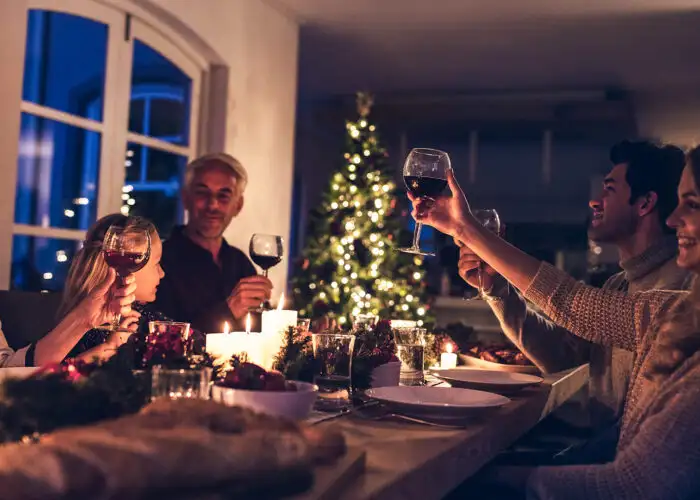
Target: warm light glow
[226,327]
[280,305]
[449,348]
[247,323]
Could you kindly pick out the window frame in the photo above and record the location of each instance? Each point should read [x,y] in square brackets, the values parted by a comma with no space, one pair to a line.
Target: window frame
[122,30]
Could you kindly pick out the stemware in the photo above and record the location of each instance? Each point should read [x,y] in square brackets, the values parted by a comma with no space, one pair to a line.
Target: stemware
[425,176]
[267,251]
[490,219]
[126,251]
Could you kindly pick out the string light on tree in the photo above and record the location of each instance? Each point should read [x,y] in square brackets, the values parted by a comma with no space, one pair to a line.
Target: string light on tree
[359,217]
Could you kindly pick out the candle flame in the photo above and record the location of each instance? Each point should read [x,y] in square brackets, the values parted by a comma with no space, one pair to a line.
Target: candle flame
[280,305]
[449,347]
[226,327]
[247,323]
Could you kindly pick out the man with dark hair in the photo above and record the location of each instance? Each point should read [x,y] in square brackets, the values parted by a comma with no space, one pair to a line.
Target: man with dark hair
[638,194]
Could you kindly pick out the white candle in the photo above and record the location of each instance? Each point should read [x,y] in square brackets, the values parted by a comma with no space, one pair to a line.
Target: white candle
[448,359]
[279,320]
[403,323]
[255,345]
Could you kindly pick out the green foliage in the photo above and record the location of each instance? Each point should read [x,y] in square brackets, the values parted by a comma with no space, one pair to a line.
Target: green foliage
[350,265]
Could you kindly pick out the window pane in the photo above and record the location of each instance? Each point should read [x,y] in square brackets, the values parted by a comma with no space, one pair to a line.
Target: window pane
[65,61]
[153,179]
[57,174]
[160,97]
[41,263]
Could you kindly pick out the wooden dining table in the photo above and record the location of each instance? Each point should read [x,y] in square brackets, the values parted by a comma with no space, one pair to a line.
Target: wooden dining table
[404,460]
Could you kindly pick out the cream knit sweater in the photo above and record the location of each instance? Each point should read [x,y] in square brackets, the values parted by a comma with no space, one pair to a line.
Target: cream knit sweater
[658,454]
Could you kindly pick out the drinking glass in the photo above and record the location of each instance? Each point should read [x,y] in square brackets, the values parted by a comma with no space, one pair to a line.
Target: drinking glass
[425,176]
[126,251]
[180,384]
[333,358]
[267,251]
[410,349]
[362,322]
[490,219]
[303,325]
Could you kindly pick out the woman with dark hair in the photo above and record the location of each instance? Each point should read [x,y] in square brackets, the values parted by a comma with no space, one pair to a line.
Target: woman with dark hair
[657,453]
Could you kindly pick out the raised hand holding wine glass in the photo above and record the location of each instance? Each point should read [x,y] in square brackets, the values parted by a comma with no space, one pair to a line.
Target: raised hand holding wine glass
[267,251]
[126,251]
[490,219]
[425,175]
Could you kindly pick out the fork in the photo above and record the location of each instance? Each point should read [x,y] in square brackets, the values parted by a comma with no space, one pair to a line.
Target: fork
[414,420]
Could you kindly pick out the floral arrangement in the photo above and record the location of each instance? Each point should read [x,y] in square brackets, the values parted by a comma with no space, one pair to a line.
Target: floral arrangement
[76,392]
[374,346]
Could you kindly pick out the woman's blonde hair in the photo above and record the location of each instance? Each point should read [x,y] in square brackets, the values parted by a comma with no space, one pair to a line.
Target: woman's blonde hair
[679,335]
[89,268]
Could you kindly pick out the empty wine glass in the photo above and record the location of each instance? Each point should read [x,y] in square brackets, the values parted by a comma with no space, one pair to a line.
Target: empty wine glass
[425,176]
[490,219]
[267,251]
[126,251]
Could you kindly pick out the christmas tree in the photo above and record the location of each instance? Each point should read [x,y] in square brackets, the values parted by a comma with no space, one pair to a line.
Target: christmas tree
[351,265]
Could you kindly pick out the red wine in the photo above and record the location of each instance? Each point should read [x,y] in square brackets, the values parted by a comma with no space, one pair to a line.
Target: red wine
[125,262]
[425,187]
[266,261]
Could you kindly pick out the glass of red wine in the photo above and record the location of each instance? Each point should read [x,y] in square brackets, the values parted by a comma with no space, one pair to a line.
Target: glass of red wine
[267,251]
[126,251]
[425,176]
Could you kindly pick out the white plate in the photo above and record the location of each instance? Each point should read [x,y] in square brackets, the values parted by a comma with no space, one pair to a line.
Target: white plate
[437,400]
[487,380]
[490,365]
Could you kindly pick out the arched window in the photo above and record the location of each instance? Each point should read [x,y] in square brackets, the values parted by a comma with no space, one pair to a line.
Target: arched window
[110,116]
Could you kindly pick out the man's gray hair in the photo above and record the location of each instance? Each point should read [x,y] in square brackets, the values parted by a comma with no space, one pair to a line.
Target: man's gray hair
[237,169]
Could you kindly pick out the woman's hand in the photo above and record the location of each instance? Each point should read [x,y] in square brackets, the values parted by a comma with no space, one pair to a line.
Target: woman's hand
[447,214]
[128,326]
[108,299]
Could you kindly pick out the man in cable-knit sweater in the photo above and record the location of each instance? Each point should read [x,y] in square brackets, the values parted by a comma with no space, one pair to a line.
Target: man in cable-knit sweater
[638,195]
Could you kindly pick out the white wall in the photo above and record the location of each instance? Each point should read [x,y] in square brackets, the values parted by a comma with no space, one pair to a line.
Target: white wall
[13,21]
[260,47]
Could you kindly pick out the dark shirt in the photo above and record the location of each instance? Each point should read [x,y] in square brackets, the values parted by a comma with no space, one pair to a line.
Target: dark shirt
[195,288]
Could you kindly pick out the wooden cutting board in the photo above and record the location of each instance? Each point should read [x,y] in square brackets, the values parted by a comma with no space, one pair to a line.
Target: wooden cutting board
[331,480]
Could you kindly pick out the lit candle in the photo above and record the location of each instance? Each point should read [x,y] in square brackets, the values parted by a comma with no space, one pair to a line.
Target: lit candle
[254,345]
[448,359]
[278,321]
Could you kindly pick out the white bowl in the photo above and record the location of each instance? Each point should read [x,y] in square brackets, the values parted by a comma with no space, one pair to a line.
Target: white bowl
[386,375]
[294,405]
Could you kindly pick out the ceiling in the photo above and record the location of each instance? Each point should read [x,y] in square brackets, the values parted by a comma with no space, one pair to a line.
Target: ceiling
[424,46]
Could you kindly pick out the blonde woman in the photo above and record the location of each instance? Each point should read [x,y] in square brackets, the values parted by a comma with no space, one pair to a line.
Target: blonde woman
[89,269]
[96,307]
[657,455]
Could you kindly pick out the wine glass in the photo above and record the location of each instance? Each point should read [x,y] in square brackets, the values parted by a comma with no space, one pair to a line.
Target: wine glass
[266,250]
[126,251]
[425,176]
[490,219]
